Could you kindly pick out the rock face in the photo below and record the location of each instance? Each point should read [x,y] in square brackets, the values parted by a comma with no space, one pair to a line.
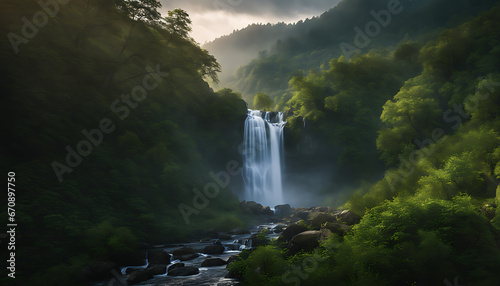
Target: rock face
[306,240]
[139,276]
[210,262]
[291,231]
[184,271]
[337,228]
[100,271]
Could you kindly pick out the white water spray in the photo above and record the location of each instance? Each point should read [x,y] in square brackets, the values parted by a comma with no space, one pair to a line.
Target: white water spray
[263,157]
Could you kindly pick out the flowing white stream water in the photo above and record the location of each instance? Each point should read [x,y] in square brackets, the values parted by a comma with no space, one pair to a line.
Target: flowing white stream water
[263,157]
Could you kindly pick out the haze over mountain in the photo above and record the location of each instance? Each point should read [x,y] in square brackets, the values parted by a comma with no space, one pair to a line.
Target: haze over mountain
[282,49]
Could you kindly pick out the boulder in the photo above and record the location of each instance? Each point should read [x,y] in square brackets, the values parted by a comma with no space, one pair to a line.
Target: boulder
[138,277]
[254,208]
[210,262]
[279,228]
[100,271]
[184,271]
[214,249]
[176,265]
[322,218]
[291,231]
[348,217]
[283,210]
[306,240]
[183,251]
[159,257]
[325,233]
[157,269]
[186,257]
[337,228]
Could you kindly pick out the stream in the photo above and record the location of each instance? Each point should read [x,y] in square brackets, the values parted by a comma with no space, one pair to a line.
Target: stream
[213,276]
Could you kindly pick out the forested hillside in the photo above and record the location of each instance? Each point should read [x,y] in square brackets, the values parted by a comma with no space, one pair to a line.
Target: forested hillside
[310,45]
[109,126]
[430,111]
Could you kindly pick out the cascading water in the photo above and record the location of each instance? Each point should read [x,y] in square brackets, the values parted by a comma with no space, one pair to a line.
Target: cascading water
[263,157]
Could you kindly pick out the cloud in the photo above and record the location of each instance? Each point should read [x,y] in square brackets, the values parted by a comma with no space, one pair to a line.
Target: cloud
[214,18]
[286,8]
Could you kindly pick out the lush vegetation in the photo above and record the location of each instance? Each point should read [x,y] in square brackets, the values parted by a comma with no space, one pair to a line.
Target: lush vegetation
[427,114]
[92,61]
[110,126]
[308,44]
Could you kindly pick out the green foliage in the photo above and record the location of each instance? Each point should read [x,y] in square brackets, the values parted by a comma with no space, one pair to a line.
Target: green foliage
[262,101]
[87,59]
[408,241]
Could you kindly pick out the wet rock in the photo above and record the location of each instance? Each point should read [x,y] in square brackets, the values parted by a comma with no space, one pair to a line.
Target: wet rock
[138,277]
[159,257]
[183,250]
[210,262]
[157,269]
[216,248]
[176,265]
[184,271]
[188,257]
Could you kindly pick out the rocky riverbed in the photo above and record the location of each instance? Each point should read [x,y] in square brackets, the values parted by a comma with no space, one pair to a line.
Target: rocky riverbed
[205,262]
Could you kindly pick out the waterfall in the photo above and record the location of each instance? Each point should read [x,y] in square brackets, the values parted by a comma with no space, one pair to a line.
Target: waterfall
[263,157]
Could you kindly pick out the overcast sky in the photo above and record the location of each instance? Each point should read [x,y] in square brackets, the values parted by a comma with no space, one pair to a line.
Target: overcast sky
[214,18]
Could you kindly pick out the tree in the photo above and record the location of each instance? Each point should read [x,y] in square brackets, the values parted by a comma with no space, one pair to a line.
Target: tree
[262,101]
[141,10]
[178,23]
